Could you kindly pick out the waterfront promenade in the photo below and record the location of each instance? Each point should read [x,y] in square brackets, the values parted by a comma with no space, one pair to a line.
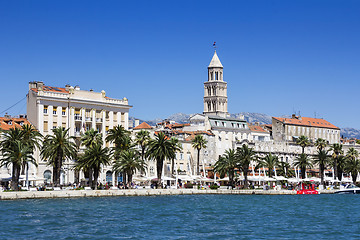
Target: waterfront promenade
[138,192]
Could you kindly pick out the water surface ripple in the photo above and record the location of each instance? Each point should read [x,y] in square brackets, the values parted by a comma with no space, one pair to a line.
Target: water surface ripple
[183,217]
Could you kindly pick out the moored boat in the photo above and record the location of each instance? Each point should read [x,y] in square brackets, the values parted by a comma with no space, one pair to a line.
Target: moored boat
[349,189]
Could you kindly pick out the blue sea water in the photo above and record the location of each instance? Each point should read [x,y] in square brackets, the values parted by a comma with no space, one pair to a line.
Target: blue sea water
[183,217]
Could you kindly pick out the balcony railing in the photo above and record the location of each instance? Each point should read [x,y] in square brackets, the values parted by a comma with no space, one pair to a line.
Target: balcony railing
[78,118]
[98,119]
[77,134]
[88,119]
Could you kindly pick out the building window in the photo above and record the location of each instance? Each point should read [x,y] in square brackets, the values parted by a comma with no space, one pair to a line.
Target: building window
[45,126]
[54,112]
[63,112]
[45,109]
[109,177]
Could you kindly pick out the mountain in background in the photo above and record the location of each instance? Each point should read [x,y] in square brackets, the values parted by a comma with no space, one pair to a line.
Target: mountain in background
[249,117]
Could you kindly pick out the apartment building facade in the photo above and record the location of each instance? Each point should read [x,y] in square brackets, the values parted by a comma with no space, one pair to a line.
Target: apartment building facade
[79,110]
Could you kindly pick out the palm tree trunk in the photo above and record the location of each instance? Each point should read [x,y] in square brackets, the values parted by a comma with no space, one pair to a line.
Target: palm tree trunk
[172,166]
[159,167]
[245,180]
[322,174]
[198,163]
[15,177]
[130,177]
[354,176]
[96,176]
[303,170]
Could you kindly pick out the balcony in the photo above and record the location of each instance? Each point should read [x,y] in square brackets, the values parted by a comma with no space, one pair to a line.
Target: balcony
[88,119]
[99,120]
[77,134]
[78,118]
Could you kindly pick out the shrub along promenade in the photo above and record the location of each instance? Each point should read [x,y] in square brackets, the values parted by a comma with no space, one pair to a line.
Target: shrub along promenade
[138,192]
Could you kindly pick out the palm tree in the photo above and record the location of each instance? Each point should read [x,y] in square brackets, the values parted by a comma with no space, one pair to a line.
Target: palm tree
[245,155]
[142,139]
[57,148]
[341,163]
[226,164]
[353,167]
[320,143]
[337,150]
[285,169]
[176,147]
[303,141]
[160,148]
[94,157]
[32,138]
[129,162]
[18,154]
[198,143]
[352,153]
[269,161]
[120,137]
[322,159]
[303,162]
[351,164]
[91,137]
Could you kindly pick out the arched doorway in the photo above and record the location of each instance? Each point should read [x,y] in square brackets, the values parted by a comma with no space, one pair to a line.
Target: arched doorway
[47,176]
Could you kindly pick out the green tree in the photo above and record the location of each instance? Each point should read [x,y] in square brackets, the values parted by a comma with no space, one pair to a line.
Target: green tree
[269,161]
[285,169]
[199,142]
[226,164]
[353,167]
[320,143]
[322,159]
[341,163]
[17,147]
[129,162]
[160,149]
[303,162]
[56,148]
[94,157]
[303,141]
[120,137]
[17,155]
[245,155]
[90,138]
[142,139]
[337,150]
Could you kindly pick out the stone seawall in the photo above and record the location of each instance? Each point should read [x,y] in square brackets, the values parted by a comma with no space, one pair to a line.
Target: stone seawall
[136,192]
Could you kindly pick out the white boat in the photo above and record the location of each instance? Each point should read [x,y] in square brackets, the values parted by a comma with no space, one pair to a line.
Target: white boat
[349,189]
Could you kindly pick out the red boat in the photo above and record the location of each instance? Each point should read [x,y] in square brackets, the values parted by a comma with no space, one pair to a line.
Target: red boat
[307,189]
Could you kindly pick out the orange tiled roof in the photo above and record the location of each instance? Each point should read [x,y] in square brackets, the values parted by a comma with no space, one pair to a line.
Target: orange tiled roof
[15,123]
[255,128]
[306,121]
[143,125]
[52,89]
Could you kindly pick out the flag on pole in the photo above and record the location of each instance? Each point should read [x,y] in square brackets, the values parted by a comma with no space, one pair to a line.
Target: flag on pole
[214,44]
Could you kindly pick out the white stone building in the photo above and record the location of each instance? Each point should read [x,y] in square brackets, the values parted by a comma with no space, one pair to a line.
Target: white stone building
[79,110]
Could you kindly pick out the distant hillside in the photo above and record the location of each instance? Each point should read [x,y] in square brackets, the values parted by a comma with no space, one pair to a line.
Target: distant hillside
[249,117]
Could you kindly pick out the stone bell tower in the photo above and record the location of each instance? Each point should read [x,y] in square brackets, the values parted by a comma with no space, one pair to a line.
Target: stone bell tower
[215,90]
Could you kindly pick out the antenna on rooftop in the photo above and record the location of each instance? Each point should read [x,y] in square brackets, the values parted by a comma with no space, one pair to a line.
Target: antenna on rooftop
[315,114]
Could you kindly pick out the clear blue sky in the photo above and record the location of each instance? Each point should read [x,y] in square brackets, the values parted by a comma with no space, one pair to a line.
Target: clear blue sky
[278,56]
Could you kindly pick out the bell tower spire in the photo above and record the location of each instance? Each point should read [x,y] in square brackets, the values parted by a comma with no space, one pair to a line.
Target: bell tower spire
[215,89]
